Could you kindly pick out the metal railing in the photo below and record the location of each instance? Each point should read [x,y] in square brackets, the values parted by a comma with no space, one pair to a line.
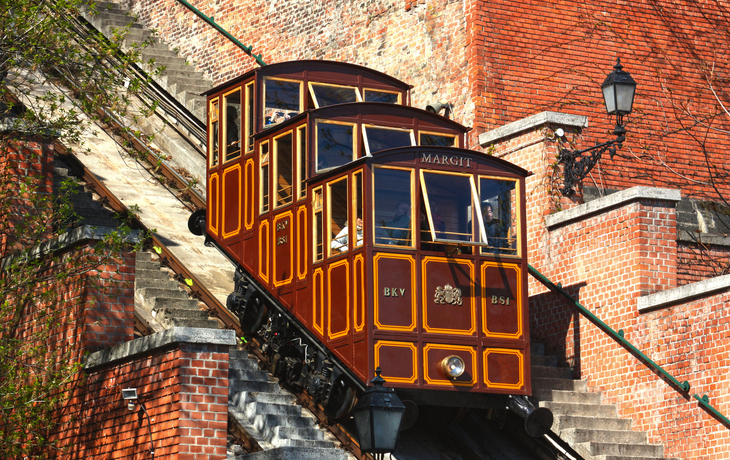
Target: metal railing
[216,26]
[681,387]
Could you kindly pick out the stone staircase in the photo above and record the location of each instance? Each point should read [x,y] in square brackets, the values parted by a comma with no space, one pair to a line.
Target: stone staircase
[271,417]
[592,429]
[86,208]
[160,300]
[178,78]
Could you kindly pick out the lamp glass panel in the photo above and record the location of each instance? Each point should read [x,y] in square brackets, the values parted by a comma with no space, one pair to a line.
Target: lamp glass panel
[609,99]
[362,424]
[387,425]
[624,97]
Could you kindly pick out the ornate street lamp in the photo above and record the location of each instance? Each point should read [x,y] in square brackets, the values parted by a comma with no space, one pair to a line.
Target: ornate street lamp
[378,416]
[618,96]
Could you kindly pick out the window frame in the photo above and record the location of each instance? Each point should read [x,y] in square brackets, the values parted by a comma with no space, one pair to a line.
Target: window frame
[517,212]
[386,128]
[274,162]
[412,187]
[432,133]
[250,117]
[328,213]
[475,201]
[301,155]
[223,125]
[214,117]
[263,108]
[264,180]
[397,93]
[310,84]
[319,121]
[317,210]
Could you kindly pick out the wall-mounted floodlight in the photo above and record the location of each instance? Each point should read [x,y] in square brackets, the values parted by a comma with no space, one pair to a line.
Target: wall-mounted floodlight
[130,395]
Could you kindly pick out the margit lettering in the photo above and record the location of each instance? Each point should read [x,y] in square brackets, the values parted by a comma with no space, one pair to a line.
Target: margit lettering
[447,160]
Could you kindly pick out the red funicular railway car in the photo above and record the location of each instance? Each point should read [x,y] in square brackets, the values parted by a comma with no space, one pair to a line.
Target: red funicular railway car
[366,236]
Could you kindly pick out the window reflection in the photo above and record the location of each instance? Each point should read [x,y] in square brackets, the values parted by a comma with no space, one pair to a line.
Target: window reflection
[232,123]
[338,213]
[498,208]
[372,95]
[325,95]
[393,206]
[213,132]
[450,202]
[378,138]
[282,100]
[438,140]
[283,149]
[335,145]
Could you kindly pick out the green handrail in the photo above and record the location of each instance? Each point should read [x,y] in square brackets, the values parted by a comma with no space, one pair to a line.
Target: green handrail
[704,401]
[220,29]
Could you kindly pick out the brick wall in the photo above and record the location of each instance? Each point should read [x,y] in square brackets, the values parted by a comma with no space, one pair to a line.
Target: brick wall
[21,160]
[184,388]
[608,254]
[501,61]
[424,43]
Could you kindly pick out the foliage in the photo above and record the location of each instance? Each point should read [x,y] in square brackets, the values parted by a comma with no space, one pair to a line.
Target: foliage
[42,42]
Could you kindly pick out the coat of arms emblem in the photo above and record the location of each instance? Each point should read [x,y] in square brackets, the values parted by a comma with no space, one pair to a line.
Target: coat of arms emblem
[447,295]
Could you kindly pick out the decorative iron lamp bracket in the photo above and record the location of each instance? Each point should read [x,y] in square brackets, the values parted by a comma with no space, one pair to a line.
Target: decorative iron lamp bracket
[618,95]
[576,165]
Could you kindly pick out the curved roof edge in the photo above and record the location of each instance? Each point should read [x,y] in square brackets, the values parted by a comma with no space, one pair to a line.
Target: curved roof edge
[310,63]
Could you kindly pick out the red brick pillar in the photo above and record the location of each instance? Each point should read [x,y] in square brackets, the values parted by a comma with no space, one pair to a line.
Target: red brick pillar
[22,161]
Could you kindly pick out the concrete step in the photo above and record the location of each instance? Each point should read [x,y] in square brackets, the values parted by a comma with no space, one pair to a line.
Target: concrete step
[594,423]
[592,449]
[544,360]
[252,385]
[595,410]
[249,375]
[194,88]
[559,384]
[296,453]
[154,272]
[566,396]
[278,433]
[188,308]
[552,372]
[149,292]
[582,435]
[201,323]
[240,399]
[254,409]
[158,282]
[168,314]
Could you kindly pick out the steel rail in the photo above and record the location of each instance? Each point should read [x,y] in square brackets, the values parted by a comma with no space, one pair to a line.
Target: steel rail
[681,387]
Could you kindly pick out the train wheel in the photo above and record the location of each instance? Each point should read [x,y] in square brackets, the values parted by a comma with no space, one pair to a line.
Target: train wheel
[341,400]
[253,314]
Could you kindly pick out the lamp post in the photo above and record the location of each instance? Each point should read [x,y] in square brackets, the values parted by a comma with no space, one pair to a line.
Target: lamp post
[618,96]
[378,416]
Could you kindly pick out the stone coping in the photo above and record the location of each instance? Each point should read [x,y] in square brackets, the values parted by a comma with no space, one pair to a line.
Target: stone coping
[149,343]
[611,201]
[683,294]
[540,119]
[73,237]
